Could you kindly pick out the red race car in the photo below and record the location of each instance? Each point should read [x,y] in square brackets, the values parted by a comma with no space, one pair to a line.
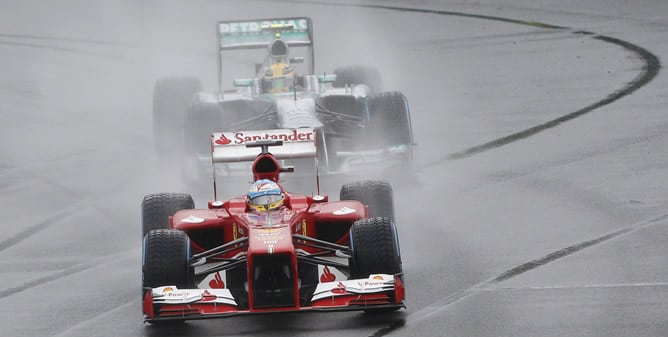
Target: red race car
[270,250]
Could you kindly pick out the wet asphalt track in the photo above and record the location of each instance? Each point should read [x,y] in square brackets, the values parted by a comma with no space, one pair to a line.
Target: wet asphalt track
[541,207]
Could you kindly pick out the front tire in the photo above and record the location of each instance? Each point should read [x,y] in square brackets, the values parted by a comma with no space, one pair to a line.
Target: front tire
[166,259]
[375,248]
[166,262]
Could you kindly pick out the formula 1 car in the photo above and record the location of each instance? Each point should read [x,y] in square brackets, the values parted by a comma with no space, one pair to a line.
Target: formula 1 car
[311,254]
[359,127]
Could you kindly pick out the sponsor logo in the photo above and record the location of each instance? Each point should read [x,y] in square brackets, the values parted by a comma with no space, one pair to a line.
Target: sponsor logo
[222,140]
[256,26]
[344,211]
[208,297]
[269,235]
[377,278]
[340,289]
[175,293]
[268,231]
[217,282]
[240,138]
[167,290]
[327,275]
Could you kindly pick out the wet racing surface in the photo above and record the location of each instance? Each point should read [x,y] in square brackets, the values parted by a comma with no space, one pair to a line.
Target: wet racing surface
[540,202]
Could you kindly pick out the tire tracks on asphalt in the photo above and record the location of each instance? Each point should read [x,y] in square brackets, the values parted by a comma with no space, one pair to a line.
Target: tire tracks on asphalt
[85,203]
[55,43]
[123,255]
[489,284]
[649,71]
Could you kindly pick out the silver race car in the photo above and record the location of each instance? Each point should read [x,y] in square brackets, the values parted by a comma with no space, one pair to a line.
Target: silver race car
[359,127]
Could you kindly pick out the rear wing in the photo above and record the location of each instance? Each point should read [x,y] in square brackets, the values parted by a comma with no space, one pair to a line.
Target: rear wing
[230,147]
[249,34]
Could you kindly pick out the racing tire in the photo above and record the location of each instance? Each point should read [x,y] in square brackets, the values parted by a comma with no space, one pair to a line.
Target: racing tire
[171,97]
[157,208]
[352,75]
[376,194]
[201,120]
[166,259]
[389,119]
[165,262]
[374,245]
[375,248]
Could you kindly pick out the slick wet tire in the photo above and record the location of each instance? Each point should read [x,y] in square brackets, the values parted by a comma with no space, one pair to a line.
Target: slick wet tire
[375,248]
[157,208]
[389,119]
[166,258]
[171,97]
[376,194]
[352,75]
[201,119]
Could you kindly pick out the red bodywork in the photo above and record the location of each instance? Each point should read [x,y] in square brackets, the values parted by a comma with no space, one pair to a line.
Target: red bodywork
[230,232]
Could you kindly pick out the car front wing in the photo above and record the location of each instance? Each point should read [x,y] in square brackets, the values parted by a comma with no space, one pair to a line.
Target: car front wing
[378,291]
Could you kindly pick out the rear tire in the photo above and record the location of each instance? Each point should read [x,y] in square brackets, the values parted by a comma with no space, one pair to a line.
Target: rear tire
[171,97]
[157,208]
[352,75]
[390,120]
[376,194]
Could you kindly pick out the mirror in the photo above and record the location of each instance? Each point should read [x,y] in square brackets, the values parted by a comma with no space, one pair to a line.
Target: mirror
[327,78]
[243,82]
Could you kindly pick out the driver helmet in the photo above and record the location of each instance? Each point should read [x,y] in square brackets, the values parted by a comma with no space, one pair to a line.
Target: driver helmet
[265,195]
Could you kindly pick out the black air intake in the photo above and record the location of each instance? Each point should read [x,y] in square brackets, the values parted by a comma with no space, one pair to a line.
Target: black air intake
[273,281]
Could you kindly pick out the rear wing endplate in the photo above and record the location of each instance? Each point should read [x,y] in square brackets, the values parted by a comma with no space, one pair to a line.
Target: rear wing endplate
[229,147]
